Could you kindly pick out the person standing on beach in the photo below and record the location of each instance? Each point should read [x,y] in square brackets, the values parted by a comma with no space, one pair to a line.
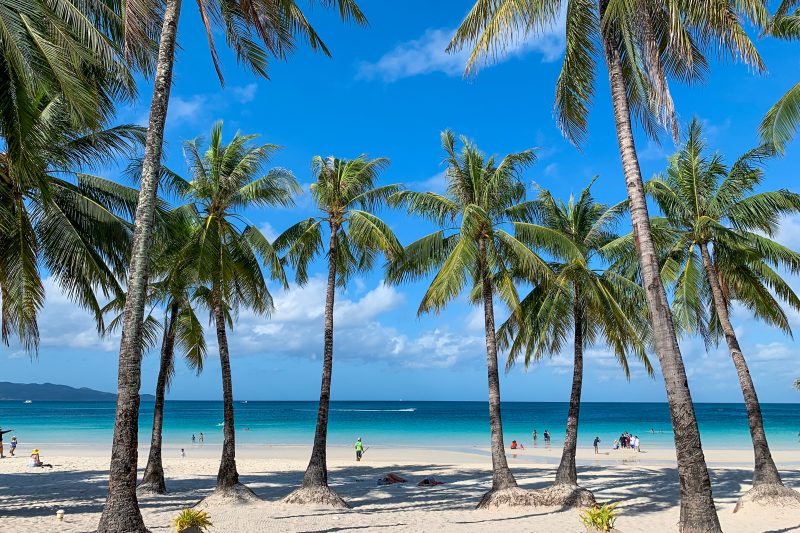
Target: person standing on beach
[636,443]
[359,449]
[596,444]
[201,437]
[1,440]
[192,438]
[534,437]
[13,445]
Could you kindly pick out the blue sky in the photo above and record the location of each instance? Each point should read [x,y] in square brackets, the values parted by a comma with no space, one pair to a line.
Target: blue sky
[388,91]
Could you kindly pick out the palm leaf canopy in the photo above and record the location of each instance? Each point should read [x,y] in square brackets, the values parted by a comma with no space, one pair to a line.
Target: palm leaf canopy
[56,216]
[345,191]
[709,204]
[611,307]
[653,41]
[484,198]
[224,252]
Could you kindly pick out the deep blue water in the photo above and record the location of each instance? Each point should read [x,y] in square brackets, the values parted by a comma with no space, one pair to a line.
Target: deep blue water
[451,424]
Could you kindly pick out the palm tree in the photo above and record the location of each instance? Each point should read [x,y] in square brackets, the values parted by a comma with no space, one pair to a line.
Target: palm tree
[782,120]
[598,306]
[722,252]
[52,214]
[278,25]
[482,195]
[346,194]
[222,253]
[644,44]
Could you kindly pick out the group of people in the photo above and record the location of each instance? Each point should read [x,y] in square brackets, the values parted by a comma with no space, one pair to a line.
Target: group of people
[36,460]
[546,436]
[627,441]
[196,440]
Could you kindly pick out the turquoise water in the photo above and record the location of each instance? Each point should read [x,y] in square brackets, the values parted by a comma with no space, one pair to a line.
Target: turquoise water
[450,424]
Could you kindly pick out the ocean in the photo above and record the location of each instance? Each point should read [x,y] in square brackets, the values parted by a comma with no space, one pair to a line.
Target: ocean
[413,424]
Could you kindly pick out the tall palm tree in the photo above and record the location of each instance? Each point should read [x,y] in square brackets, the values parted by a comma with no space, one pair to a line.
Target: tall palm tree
[55,215]
[278,26]
[346,194]
[644,45]
[597,305]
[482,196]
[782,120]
[222,254]
[722,252]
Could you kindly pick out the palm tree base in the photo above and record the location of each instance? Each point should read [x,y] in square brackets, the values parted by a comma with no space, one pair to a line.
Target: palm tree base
[510,497]
[237,494]
[316,495]
[562,495]
[769,495]
[153,487]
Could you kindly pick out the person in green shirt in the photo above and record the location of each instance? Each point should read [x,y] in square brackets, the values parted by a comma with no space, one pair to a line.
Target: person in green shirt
[359,449]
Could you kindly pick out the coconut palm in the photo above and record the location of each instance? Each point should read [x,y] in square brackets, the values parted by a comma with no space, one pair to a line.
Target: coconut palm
[346,194]
[782,120]
[277,26]
[483,194]
[55,215]
[722,253]
[68,48]
[644,45]
[595,305]
[222,252]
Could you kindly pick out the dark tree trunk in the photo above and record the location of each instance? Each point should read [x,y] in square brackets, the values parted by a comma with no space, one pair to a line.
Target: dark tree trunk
[317,472]
[227,477]
[153,479]
[698,513]
[765,471]
[567,473]
[121,510]
[502,478]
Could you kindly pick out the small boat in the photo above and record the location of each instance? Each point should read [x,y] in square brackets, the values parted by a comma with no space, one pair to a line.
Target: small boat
[28,401]
[244,401]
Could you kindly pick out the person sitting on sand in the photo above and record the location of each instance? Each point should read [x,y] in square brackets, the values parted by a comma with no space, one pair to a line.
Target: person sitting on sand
[36,461]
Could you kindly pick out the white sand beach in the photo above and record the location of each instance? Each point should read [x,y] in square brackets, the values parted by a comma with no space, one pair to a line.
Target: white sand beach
[645,485]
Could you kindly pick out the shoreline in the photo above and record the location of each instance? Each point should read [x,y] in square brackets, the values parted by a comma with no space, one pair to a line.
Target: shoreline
[647,493]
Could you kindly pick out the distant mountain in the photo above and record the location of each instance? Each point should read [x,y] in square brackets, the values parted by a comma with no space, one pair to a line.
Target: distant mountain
[52,392]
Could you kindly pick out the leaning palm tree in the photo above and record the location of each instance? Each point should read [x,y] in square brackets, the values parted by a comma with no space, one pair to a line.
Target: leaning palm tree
[643,44]
[595,305]
[722,253]
[278,26]
[53,214]
[782,120]
[483,194]
[346,194]
[222,255]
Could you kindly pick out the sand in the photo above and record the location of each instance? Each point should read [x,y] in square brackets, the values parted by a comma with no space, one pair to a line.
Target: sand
[645,485]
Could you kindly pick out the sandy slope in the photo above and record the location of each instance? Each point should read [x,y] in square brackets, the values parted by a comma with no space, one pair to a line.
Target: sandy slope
[646,486]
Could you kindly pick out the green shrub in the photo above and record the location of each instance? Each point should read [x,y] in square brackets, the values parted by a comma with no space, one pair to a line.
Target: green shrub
[601,518]
[191,518]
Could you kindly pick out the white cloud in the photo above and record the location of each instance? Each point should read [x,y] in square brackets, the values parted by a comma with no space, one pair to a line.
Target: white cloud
[268,231]
[427,54]
[246,93]
[436,183]
[774,351]
[186,108]
[789,232]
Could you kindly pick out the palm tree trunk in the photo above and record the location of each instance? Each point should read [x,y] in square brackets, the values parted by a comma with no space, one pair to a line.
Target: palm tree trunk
[153,479]
[502,478]
[121,510]
[567,473]
[227,477]
[317,472]
[765,471]
[698,513]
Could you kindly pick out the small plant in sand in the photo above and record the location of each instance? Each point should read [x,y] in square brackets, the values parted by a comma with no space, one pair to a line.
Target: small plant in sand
[600,517]
[189,520]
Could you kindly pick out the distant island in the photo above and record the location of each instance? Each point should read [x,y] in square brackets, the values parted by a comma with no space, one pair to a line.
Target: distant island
[53,392]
